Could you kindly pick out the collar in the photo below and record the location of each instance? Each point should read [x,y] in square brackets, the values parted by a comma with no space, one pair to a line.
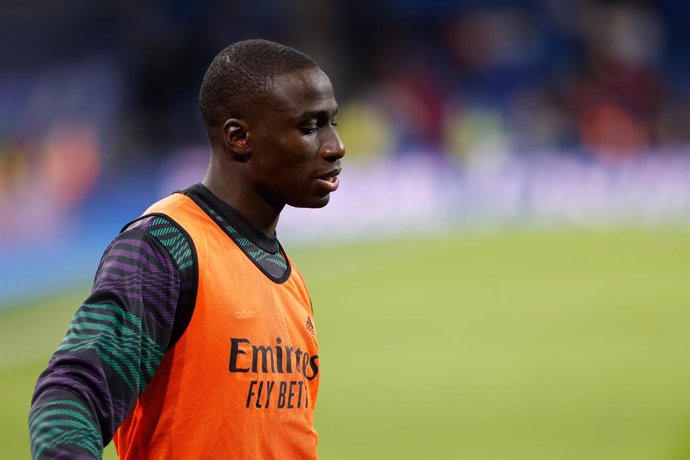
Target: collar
[201,194]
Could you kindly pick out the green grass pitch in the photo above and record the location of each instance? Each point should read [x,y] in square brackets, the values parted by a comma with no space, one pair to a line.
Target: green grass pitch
[509,345]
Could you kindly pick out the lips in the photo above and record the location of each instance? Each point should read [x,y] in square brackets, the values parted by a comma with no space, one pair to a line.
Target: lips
[329,181]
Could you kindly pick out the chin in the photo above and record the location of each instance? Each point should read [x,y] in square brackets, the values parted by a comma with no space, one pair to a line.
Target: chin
[312,202]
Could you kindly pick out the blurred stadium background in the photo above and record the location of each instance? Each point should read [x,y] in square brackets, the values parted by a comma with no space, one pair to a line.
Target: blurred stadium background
[504,271]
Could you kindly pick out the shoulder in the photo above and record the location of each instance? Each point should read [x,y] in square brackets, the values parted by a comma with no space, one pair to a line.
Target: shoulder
[165,231]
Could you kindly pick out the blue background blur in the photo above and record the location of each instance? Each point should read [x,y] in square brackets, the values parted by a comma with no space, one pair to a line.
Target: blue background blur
[454,113]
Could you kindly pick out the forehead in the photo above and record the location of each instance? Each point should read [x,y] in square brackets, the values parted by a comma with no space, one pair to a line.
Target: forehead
[301,91]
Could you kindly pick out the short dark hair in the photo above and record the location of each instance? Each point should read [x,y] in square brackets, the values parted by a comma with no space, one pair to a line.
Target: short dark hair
[241,74]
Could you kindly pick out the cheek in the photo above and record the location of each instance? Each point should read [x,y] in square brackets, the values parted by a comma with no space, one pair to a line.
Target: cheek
[296,157]
[286,161]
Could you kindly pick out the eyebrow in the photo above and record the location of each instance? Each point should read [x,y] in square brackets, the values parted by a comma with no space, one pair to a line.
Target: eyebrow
[318,114]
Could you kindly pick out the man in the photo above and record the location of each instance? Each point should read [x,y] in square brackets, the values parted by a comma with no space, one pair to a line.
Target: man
[198,339]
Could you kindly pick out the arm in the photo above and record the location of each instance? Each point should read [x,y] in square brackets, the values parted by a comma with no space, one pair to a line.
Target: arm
[115,342]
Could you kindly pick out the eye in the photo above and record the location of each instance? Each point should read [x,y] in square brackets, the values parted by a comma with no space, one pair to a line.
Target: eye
[317,123]
[309,130]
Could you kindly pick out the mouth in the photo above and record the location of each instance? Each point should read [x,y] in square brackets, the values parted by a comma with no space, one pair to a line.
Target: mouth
[329,181]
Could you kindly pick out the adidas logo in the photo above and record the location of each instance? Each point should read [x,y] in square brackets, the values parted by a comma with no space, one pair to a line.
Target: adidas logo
[310,326]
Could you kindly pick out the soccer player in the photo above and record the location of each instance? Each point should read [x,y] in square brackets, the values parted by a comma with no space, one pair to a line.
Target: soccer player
[198,338]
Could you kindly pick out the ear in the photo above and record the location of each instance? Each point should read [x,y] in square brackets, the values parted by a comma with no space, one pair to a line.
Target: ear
[236,138]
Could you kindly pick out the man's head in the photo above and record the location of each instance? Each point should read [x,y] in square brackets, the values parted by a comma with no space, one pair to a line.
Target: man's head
[270,114]
[241,76]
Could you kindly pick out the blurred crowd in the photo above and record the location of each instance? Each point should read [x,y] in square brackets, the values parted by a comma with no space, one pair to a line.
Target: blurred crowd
[90,91]
[599,78]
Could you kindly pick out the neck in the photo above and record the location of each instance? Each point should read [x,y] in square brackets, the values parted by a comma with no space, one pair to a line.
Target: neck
[256,210]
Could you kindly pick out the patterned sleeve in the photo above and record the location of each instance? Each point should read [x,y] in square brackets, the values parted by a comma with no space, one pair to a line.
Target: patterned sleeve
[140,303]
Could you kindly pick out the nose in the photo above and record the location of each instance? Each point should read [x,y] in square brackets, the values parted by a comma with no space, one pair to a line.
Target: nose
[333,148]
